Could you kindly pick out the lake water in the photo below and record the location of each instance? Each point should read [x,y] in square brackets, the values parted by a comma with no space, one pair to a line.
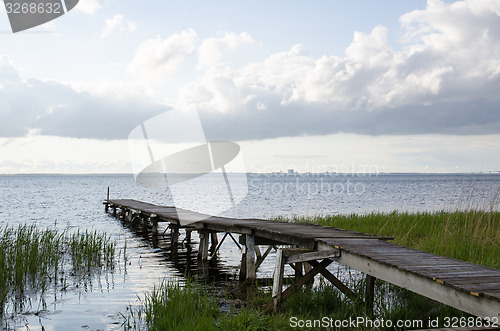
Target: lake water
[71,202]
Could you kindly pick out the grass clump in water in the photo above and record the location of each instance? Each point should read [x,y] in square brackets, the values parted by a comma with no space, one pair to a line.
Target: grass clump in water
[34,260]
[91,250]
[172,306]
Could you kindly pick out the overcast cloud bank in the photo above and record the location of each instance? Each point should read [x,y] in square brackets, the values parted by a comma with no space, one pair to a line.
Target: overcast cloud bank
[444,79]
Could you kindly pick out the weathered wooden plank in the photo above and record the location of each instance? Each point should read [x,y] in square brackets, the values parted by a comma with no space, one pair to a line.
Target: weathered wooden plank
[479,306]
[279,271]
[312,256]
[469,278]
[484,287]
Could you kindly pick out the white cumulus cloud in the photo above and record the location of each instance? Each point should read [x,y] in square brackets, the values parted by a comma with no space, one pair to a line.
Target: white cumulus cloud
[158,57]
[444,79]
[117,23]
[88,6]
[212,49]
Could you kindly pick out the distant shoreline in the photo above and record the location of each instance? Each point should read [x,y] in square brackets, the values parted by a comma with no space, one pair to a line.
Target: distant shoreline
[266,173]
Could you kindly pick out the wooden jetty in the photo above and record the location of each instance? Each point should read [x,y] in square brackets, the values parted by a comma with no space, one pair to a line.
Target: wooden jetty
[309,249]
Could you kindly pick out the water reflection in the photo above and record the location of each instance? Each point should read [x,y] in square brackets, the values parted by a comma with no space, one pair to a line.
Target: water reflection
[182,254]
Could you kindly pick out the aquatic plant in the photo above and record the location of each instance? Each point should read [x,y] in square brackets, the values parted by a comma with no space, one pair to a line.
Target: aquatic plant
[172,306]
[33,260]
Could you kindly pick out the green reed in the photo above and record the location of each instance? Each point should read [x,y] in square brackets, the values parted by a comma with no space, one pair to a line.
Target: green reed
[171,306]
[471,235]
[91,250]
[32,260]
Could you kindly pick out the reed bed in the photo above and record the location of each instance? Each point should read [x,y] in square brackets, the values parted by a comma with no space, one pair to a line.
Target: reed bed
[471,235]
[34,260]
[171,306]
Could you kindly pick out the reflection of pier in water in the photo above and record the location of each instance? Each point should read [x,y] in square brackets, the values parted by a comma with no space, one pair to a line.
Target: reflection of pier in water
[178,250]
[309,249]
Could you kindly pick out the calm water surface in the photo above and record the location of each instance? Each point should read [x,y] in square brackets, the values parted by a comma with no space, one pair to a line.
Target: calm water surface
[74,202]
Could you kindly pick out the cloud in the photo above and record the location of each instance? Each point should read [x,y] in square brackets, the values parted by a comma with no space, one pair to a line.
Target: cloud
[88,7]
[54,109]
[444,80]
[8,74]
[212,49]
[156,57]
[117,24]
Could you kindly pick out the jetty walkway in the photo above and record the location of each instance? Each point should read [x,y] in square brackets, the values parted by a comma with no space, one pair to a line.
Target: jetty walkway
[309,249]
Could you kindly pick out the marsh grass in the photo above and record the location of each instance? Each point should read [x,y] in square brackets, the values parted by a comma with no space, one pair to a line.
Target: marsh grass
[469,232]
[34,260]
[471,235]
[171,306]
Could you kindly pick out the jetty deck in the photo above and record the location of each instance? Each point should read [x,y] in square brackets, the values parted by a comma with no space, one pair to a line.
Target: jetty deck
[309,249]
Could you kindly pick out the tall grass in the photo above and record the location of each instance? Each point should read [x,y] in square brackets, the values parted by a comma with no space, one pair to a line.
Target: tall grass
[33,260]
[171,306]
[91,250]
[471,235]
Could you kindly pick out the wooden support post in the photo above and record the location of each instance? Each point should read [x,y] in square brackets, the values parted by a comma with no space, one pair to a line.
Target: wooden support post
[243,264]
[369,295]
[188,236]
[203,248]
[106,205]
[214,240]
[114,211]
[154,220]
[174,235]
[251,257]
[310,283]
[298,270]
[279,270]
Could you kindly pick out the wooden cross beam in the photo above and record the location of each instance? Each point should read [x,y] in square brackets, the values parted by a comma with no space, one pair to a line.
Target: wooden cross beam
[279,296]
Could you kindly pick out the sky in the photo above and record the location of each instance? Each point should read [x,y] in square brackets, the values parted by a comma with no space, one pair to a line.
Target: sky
[346,86]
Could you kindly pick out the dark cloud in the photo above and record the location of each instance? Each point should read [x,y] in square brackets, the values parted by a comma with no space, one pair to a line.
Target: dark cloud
[458,118]
[55,109]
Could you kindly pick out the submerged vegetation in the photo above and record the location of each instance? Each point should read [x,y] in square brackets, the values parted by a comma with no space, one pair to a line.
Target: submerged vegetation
[471,235]
[32,261]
